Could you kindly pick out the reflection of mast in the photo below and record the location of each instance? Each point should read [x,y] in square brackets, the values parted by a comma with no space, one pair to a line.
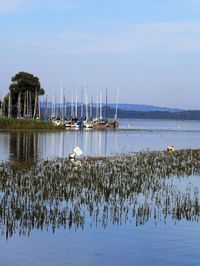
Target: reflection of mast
[18,146]
[100,140]
[96,142]
[9,136]
[86,142]
[115,139]
[105,152]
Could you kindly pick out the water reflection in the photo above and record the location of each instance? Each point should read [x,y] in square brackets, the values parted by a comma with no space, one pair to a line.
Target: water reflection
[36,145]
[23,146]
[137,187]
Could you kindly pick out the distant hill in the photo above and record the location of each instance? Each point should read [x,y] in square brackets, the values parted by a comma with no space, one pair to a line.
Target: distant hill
[128,107]
[144,108]
[148,112]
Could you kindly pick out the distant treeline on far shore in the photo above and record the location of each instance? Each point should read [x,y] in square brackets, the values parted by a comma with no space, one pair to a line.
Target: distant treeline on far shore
[110,112]
[183,115]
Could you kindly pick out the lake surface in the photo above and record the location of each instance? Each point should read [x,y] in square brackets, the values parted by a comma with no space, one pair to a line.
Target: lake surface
[130,228]
[139,136]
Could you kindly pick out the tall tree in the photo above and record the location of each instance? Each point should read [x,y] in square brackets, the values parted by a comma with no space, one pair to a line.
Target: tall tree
[29,86]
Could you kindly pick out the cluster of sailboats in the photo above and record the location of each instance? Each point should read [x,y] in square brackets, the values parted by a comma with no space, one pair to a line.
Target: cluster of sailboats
[71,115]
[85,119]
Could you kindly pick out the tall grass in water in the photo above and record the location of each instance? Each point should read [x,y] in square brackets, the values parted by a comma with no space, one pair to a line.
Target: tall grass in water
[13,123]
[136,187]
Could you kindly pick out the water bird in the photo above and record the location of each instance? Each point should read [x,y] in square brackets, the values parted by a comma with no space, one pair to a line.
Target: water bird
[72,156]
[170,148]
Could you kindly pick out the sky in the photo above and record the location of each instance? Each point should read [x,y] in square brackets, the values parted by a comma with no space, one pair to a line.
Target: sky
[150,49]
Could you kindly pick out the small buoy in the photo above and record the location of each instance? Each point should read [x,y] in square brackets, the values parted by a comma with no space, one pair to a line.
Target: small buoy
[170,148]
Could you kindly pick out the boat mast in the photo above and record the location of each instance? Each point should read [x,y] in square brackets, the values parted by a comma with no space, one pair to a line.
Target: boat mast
[46,107]
[30,105]
[38,102]
[35,106]
[19,106]
[81,101]
[24,104]
[106,102]
[100,104]
[97,110]
[61,102]
[72,107]
[117,104]
[86,104]
[76,107]
[64,102]
[91,100]
[27,102]
[9,105]
[55,108]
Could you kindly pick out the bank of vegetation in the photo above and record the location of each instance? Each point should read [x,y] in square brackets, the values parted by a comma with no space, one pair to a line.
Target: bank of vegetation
[14,123]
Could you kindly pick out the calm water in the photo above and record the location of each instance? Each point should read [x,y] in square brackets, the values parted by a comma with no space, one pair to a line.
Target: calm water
[141,135]
[168,241]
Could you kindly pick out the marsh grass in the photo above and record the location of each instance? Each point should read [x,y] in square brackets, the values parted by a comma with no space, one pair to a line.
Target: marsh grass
[136,187]
[13,123]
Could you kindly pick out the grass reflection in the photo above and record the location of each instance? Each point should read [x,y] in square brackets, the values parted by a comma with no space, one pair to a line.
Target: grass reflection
[134,187]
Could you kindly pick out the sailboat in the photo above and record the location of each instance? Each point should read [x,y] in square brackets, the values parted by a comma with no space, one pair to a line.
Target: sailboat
[87,122]
[115,123]
[99,122]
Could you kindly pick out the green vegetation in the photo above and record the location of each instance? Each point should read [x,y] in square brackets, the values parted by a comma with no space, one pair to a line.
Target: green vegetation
[136,187]
[14,123]
[28,87]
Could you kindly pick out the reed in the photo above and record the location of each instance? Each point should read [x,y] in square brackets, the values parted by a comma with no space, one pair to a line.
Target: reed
[12,123]
[132,187]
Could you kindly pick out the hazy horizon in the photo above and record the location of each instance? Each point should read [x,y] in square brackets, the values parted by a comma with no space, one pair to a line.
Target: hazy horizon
[150,48]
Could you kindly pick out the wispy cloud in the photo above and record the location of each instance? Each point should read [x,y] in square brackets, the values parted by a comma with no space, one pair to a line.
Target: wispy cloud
[67,5]
[78,36]
[171,27]
[161,37]
[8,6]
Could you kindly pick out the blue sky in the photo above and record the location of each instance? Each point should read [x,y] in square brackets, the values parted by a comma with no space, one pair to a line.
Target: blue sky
[151,48]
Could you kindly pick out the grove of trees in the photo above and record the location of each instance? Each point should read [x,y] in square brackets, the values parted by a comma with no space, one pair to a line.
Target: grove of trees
[25,90]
